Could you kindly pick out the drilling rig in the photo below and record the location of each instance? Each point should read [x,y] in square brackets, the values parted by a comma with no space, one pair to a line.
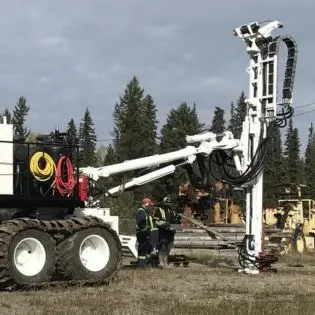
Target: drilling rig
[51,231]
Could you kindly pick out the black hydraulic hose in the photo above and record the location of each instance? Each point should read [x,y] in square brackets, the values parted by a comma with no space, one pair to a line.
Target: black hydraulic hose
[203,181]
[220,158]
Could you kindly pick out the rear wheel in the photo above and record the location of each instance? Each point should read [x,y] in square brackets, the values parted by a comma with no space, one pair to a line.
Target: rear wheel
[31,257]
[91,254]
[299,243]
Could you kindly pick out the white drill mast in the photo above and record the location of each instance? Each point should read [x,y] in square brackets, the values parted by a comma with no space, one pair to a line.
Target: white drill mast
[262,107]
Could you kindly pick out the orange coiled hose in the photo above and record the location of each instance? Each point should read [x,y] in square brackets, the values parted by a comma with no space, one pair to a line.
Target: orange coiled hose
[65,187]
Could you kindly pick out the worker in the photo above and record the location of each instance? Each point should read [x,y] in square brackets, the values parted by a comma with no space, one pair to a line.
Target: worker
[163,218]
[144,227]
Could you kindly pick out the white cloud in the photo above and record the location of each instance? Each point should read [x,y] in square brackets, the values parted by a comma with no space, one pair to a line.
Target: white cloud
[50,41]
[166,31]
[44,79]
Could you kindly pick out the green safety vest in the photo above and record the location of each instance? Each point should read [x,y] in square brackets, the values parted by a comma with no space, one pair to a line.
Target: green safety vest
[163,214]
[149,223]
[152,226]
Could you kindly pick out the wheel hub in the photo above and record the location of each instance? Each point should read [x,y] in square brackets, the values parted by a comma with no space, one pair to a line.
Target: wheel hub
[94,253]
[29,256]
[300,244]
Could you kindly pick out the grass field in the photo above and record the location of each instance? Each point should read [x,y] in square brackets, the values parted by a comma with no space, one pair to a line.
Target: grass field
[201,288]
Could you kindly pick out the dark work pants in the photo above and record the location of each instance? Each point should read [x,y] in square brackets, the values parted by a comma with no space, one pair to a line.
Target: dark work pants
[166,241]
[144,249]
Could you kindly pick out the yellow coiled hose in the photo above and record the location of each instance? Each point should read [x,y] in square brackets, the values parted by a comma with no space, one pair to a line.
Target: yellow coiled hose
[42,174]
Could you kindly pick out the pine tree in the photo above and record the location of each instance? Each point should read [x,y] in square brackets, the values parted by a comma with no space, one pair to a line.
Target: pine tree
[135,131]
[87,140]
[292,155]
[218,122]
[135,124]
[73,135]
[237,116]
[7,114]
[149,126]
[128,122]
[308,150]
[20,113]
[72,131]
[231,111]
[110,157]
[274,170]
[309,166]
[180,122]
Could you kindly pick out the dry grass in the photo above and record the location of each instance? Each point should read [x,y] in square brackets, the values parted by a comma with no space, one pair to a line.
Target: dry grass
[198,289]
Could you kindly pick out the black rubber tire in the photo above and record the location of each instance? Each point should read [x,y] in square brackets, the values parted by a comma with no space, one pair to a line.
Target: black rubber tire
[48,269]
[69,265]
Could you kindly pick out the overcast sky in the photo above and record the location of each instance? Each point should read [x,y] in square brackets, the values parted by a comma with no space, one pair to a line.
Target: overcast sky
[65,55]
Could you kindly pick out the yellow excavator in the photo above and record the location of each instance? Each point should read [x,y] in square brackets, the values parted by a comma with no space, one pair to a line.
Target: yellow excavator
[294,216]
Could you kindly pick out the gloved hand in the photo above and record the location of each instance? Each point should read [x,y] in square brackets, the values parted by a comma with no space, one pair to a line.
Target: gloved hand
[159,223]
[166,225]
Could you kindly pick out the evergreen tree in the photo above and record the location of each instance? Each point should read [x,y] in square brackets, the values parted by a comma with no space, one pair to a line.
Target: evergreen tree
[292,155]
[218,122]
[237,116]
[20,113]
[309,166]
[135,124]
[87,141]
[308,150]
[134,132]
[149,126]
[73,135]
[180,122]
[231,111]
[110,157]
[274,170]
[72,131]
[7,114]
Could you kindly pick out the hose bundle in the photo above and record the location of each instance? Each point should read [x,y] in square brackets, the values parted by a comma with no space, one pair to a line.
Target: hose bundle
[46,172]
[224,161]
[65,187]
[42,174]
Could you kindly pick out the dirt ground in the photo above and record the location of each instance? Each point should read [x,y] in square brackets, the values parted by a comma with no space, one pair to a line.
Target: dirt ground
[210,285]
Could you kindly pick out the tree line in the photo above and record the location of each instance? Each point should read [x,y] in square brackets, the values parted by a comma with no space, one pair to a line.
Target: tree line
[135,134]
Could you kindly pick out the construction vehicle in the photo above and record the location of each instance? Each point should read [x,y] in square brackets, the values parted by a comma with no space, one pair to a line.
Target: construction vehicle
[294,222]
[215,206]
[54,232]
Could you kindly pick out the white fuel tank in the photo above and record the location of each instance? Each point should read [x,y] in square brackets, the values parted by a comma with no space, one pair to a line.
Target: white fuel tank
[6,158]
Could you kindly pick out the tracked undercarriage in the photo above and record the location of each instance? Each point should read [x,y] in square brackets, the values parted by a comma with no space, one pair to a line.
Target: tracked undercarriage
[36,253]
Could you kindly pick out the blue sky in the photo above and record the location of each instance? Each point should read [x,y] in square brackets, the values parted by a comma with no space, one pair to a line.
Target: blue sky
[66,55]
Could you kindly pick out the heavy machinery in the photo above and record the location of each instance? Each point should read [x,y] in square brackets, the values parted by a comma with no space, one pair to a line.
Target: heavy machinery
[52,234]
[41,239]
[294,222]
[214,206]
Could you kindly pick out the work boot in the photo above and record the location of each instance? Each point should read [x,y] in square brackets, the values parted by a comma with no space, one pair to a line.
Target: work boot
[165,261]
[161,260]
